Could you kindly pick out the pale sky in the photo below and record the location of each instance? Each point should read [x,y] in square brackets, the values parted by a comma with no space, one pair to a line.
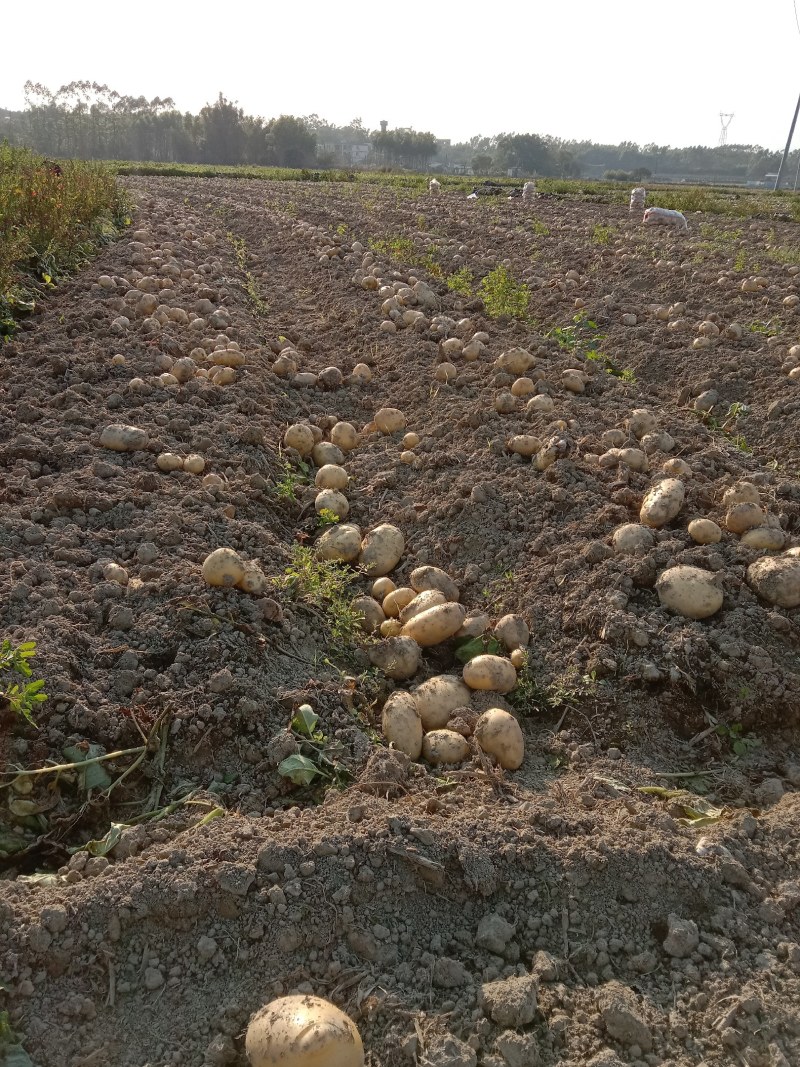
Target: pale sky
[604,70]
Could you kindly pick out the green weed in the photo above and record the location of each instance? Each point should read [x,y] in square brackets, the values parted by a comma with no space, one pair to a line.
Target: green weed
[601,235]
[314,760]
[290,481]
[250,284]
[17,694]
[501,295]
[396,247]
[741,744]
[325,585]
[461,282]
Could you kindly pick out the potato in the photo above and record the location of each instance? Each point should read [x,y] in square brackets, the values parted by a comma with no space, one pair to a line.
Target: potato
[515,361]
[612,439]
[689,591]
[326,452]
[398,657]
[344,436]
[523,387]
[776,579]
[121,438]
[765,538]
[677,468]
[411,440]
[540,403]
[436,624]
[742,517]
[437,699]
[444,747]
[213,481]
[524,444]
[389,420]
[573,380]
[168,461]
[371,613]
[431,598]
[223,567]
[331,476]
[194,464]
[427,577]
[401,724]
[253,580]
[704,532]
[112,572]
[184,368]
[512,632]
[445,372]
[340,542]
[300,437]
[634,458]
[396,600]
[381,550]
[381,588]
[631,537]
[227,357]
[662,503]
[303,1031]
[498,733]
[518,657]
[741,493]
[474,625]
[453,346]
[490,672]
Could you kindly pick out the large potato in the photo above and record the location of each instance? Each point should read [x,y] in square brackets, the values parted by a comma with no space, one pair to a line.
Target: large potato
[345,436]
[390,420]
[326,452]
[120,438]
[438,698]
[765,538]
[300,437]
[512,631]
[490,672]
[444,747]
[331,476]
[381,550]
[776,579]
[498,733]
[690,591]
[663,502]
[641,422]
[303,1031]
[371,613]
[223,567]
[422,578]
[741,493]
[397,657]
[332,500]
[743,517]
[515,361]
[431,598]
[631,537]
[704,532]
[435,625]
[341,542]
[401,724]
[524,444]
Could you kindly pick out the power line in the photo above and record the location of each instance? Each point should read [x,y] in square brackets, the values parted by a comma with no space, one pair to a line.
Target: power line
[796,19]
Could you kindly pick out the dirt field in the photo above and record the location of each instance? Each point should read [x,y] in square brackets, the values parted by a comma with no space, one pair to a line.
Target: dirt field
[631,894]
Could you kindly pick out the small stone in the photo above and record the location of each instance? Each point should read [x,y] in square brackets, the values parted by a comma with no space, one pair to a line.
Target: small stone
[221,682]
[545,967]
[682,938]
[449,974]
[769,792]
[206,948]
[518,1050]
[54,918]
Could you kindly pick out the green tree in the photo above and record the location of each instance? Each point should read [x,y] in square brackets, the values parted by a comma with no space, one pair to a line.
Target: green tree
[292,142]
[482,163]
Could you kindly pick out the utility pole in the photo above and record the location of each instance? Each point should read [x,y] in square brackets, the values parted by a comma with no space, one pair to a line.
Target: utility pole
[788,146]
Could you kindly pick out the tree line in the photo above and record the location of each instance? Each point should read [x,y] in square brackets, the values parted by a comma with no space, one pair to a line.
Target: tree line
[90,121]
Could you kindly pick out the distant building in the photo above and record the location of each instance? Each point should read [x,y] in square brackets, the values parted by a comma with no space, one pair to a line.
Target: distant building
[343,153]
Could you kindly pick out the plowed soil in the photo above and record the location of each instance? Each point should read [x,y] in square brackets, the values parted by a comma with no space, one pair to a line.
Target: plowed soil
[631,894]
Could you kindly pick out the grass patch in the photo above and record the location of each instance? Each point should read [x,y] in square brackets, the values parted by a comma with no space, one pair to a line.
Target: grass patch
[326,586]
[251,287]
[52,221]
[461,282]
[502,295]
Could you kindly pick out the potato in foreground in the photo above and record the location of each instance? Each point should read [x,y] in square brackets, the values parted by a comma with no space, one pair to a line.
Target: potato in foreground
[303,1031]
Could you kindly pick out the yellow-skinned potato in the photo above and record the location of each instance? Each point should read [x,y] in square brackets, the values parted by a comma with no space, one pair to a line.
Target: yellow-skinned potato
[391,628]
[303,1031]
[389,420]
[326,452]
[395,601]
[498,733]
[422,578]
[371,613]
[524,444]
[401,724]
[689,591]
[223,567]
[381,550]
[662,503]
[381,588]
[431,598]
[397,657]
[435,625]
[342,542]
[331,476]
[332,500]
[704,531]
[444,747]
[344,436]
[490,672]
[437,699]
[300,437]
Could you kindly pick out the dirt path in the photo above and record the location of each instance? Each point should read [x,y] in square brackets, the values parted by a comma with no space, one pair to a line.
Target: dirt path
[555,915]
